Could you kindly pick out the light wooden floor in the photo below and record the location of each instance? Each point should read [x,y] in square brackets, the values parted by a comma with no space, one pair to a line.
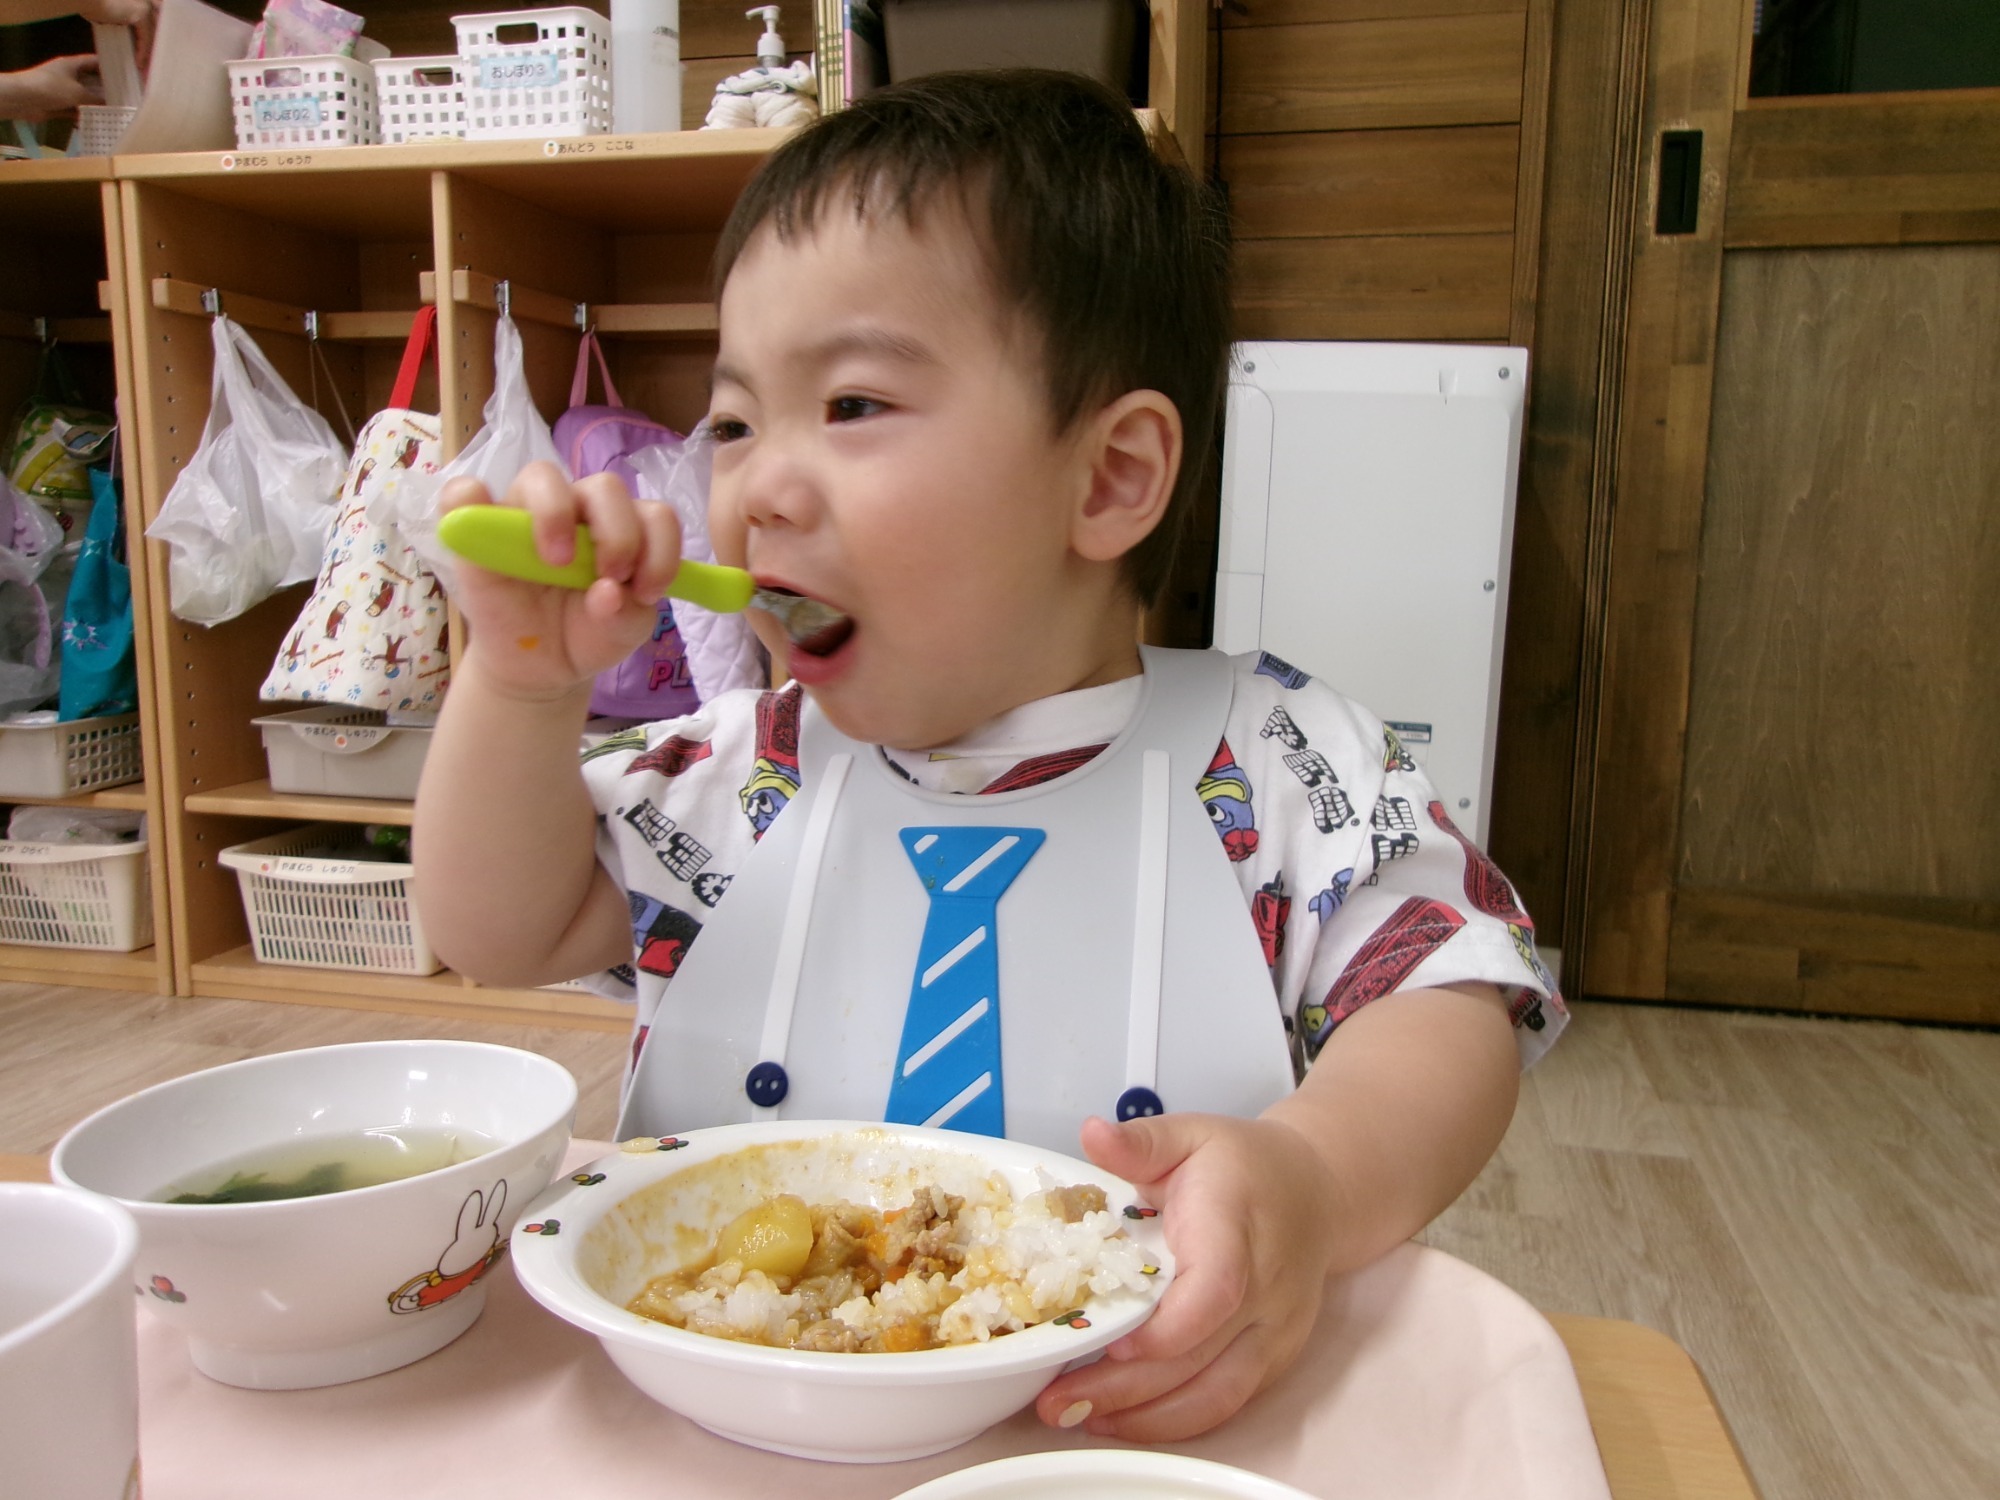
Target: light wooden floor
[1811,1207]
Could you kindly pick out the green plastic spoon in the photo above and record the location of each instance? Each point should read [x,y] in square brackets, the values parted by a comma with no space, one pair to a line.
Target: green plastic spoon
[501,539]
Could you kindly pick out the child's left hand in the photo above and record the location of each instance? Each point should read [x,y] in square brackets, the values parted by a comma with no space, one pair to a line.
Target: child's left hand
[1246,1205]
[1404,1105]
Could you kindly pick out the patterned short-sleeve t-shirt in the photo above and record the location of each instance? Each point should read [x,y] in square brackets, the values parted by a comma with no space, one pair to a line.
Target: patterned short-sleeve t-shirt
[1352,873]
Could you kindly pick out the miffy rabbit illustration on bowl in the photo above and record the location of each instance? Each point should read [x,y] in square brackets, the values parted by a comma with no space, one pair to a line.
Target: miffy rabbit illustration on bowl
[472,1250]
[315,1217]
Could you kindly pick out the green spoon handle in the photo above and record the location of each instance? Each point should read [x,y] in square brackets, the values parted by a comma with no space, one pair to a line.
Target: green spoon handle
[501,539]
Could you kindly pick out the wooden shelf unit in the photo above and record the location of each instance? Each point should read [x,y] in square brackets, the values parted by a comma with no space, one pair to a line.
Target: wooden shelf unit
[235,974]
[255,799]
[132,797]
[621,227]
[357,236]
[27,963]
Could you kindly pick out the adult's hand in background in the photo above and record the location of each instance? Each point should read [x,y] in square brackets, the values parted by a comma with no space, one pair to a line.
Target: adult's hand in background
[50,90]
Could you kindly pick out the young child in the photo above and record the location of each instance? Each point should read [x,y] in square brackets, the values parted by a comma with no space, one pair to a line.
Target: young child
[982,862]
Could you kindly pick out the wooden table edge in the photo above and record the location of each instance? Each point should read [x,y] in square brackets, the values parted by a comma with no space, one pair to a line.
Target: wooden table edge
[1660,1431]
[23,1168]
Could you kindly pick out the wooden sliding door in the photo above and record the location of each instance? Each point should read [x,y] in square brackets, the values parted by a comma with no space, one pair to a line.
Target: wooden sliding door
[1797,775]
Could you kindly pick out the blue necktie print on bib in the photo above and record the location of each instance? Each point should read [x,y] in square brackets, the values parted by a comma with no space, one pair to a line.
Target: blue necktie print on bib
[948,1064]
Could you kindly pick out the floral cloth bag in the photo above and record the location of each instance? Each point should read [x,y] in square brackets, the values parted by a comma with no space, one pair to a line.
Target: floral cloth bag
[374,634]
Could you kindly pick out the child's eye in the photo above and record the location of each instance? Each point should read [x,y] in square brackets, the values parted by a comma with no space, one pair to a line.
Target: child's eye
[852,408]
[725,429]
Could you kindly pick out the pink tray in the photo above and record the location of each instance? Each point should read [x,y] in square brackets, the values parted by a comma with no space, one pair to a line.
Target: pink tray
[1426,1378]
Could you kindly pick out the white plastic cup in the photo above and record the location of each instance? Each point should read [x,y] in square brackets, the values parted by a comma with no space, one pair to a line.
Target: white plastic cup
[69,1345]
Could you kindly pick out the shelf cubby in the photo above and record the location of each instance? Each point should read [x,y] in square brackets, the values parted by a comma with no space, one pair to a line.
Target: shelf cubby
[350,247]
[65,282]
[362,238]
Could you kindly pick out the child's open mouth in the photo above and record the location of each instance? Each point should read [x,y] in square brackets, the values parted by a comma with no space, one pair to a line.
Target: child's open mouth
[815,627]
[827,639]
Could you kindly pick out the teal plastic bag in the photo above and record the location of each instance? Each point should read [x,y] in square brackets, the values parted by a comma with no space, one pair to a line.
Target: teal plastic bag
[99,672]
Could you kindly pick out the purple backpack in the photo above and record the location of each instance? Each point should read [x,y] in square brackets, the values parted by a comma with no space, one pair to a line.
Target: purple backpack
[653,682]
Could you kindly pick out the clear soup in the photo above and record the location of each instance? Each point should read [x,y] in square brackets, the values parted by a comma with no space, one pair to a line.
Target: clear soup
[315,1165]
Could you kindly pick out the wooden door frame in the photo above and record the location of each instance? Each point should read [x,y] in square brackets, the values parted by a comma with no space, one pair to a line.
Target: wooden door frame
[1693,70]
[1649,486]
[1590,76]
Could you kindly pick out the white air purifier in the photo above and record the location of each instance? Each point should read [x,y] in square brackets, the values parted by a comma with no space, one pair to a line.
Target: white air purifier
[1367,524]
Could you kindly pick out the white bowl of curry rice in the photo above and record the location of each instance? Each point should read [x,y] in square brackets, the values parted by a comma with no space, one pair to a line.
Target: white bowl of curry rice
[843,1291]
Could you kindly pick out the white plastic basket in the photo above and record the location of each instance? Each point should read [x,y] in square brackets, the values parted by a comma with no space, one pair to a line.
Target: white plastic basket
[328,750]
[303,101]
[314,899]
[535,73]
[99,127]
[76,895]
[420,98]
[80,755]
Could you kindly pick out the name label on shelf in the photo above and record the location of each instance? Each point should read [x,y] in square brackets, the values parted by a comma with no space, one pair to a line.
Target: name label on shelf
[310,869]
[534,70]
[255,161]
[609,145]
[286,114]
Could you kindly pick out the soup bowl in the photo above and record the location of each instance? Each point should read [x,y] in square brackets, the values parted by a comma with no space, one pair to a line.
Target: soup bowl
[587,1247]
[312,1291]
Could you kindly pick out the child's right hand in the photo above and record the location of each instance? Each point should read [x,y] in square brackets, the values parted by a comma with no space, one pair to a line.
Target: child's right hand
[538,641]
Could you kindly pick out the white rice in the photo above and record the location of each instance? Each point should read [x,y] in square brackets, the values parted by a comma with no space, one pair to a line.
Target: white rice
[1023,1266]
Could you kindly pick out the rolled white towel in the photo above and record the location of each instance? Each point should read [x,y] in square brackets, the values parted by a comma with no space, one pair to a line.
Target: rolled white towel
[765,96]
[785,109]
[730,112]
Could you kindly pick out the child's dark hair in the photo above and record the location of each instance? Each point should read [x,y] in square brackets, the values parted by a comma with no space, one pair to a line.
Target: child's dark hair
[1118,258]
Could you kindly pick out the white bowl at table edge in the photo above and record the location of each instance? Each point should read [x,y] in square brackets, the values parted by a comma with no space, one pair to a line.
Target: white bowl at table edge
[588,1308]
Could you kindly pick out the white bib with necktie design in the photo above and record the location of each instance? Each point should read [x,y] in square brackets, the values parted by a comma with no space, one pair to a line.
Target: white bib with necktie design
[1007,963]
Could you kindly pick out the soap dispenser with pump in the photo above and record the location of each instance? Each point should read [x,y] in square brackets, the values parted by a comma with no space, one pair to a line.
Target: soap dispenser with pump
[770,46]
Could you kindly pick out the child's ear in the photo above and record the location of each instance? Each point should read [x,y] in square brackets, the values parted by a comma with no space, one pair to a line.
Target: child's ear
[1134,450]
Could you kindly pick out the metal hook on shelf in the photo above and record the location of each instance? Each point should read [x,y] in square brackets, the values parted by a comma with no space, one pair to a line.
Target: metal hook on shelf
[497,294]
[316,325]
[41,329]
[318,362]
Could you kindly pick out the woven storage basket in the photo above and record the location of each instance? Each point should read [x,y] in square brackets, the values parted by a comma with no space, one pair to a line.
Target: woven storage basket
[315,899]
[76,895]
[535,73]
[303,102]
[76,755]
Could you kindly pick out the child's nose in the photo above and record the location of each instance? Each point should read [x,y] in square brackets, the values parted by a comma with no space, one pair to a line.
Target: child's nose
[778,488]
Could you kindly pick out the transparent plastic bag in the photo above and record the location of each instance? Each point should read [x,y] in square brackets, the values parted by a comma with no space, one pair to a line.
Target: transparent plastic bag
[514,437]
[722,651]
[30,671]
[30,538]
[34,576]
[74,825]
[250,512]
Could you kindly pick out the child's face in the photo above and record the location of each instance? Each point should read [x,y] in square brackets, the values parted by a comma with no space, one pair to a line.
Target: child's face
[886,446]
